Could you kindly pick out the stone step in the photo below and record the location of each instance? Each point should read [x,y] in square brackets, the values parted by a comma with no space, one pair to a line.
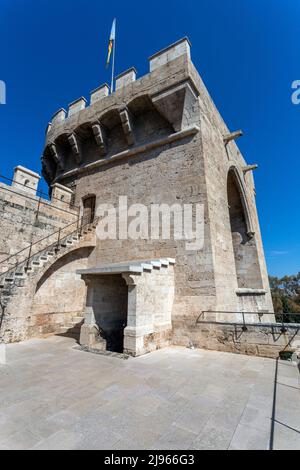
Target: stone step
[30,269]
[20,274]
[36,263]
[18,277]
[73,326]
[77,319]
[70,331]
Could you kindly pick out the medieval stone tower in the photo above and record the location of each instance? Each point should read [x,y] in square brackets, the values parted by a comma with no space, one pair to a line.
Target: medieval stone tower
[157,139]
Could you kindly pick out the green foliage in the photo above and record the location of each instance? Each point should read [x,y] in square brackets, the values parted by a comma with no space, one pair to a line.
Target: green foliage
[286,297]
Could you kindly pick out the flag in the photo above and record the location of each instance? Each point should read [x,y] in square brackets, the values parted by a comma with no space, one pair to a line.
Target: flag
[111,42]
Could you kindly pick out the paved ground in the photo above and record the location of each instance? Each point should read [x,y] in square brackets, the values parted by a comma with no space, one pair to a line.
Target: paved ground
[53,396]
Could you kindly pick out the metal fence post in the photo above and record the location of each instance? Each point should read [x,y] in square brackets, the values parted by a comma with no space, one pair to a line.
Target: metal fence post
[58,240]
[38,209]
[29,256]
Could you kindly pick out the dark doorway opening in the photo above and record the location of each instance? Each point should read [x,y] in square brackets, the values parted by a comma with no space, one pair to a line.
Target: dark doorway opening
[89,204]
[110,310]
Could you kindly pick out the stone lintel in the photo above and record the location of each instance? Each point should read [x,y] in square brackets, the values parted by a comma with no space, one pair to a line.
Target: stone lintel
[245,291]
[110,269]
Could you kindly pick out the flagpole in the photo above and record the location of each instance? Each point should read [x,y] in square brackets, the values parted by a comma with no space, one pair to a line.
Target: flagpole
[113,67]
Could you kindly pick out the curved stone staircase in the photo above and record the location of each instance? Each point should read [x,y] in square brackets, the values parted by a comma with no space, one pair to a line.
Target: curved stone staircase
[15,279]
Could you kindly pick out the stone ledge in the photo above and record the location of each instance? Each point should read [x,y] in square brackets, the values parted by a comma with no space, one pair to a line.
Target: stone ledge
[251,292]
[127,267]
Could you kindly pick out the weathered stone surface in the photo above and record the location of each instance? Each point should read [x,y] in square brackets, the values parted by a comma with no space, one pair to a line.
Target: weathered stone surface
[56,397]
[161,140]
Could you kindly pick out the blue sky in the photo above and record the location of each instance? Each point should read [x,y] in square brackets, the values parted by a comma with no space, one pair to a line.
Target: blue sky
[247,52]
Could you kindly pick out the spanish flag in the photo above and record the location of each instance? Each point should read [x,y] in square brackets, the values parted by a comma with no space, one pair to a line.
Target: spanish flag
[111,42]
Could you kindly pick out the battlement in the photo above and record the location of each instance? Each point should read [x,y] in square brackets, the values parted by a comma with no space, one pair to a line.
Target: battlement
[159,59]
[85,135]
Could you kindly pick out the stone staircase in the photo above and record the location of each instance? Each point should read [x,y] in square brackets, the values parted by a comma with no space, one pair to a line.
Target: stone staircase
[15,278]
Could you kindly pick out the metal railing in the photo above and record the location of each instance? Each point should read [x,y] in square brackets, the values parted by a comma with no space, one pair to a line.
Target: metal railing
[260,314]
[59,238]
[40,201]
[38,192]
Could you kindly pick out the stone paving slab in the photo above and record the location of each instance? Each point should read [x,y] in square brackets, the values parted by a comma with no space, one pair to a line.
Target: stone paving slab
[54,396]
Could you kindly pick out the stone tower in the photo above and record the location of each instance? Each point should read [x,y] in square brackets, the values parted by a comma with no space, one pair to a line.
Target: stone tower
[158,139]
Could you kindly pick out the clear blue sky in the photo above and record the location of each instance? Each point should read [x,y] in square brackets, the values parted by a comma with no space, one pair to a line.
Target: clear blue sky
[247,52]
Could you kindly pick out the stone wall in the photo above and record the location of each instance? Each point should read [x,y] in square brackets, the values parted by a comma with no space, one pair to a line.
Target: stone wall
[25,219]
[259,339]
[48,298]
[219,159]
[60,293]
[160,139]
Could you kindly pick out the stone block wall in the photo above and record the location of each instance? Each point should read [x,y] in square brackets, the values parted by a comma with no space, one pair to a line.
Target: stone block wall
[25,219]
[259,340]
[49,298]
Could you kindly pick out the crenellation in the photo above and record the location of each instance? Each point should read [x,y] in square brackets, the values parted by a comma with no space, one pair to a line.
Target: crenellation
[77,106]
[25,180]
[179,48]
[58,117]
[99,93]
[125,78]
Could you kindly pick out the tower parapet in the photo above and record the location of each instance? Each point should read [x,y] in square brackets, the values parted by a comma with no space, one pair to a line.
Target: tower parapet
[169,91]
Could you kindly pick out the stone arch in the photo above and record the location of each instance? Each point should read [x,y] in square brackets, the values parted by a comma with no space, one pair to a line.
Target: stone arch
[149,123]
[242,234]
[60,293]
[49,166]
[233,171]
[63,152]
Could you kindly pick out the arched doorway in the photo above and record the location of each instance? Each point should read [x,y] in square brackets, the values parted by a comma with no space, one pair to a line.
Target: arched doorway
[89,204]
[243,239]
